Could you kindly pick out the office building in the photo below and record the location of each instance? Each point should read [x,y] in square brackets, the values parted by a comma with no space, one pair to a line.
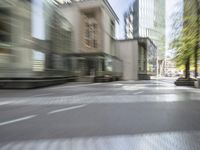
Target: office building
[139,58]
[45,42]
[93,36]
[33,38]
[146,18]
[93,24]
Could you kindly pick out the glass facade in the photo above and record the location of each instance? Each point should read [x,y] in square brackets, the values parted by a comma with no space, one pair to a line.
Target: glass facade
[146,18]
[147,61]
[34,36]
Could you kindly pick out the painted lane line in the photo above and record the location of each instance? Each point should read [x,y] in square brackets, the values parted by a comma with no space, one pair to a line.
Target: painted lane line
[139,93]
[66,109]
[5,103]
[40,95]
[78,85]
[17,120]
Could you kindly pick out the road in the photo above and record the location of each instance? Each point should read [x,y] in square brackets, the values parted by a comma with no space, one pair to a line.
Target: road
[125,115]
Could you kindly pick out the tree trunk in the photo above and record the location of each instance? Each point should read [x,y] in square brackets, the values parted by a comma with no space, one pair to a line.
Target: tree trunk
[196,60]
[187,68]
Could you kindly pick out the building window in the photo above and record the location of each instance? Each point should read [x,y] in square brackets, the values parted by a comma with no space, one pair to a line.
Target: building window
[90,38]
[5,26]
[112,28]
[60,34]
[141,59]
[5,34]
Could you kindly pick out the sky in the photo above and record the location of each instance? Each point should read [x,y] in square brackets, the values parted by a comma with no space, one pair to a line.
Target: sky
[169,7]
[121,6]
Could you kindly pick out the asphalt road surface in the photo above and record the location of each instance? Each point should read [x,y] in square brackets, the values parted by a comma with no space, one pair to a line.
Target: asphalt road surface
[125,115]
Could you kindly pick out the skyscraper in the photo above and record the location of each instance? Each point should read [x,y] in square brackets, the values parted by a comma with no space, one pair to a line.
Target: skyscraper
[146,18]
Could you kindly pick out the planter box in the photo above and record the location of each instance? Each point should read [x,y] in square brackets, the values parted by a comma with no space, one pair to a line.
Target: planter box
[181,82]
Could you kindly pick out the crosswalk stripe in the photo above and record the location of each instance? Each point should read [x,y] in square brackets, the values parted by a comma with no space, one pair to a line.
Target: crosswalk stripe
[157,141]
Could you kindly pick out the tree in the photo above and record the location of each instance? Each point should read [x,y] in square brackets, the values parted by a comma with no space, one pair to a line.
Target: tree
[186,43]
[197,2]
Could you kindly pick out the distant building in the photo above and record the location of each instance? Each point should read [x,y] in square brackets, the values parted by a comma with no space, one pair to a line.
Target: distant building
[146,18]
[170,68]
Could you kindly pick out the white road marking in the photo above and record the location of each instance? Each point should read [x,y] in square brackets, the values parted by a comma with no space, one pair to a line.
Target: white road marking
[139,92]
[5,103]
[74,86]
[17,120]
[133,87]
[117,84]
[66,109]
[40,95]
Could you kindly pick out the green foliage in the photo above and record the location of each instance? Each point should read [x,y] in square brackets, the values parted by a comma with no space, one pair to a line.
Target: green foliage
[188,38]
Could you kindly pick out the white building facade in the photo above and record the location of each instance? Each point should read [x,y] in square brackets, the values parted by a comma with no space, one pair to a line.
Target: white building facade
[93,23]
